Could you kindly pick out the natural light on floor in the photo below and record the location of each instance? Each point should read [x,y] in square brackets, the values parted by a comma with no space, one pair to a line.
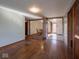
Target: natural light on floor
[53,36]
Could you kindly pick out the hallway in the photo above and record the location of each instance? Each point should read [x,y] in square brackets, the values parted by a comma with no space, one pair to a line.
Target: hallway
[39,29]
[37,49]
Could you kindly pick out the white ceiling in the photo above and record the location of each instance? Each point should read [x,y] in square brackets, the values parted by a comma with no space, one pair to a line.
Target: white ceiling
[52,8]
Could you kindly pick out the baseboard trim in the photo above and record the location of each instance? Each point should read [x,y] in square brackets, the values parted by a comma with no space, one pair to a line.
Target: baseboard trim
[12,44]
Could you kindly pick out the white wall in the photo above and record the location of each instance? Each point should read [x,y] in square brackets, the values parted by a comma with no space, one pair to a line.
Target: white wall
[12,28]
[49,27]
[34,25]
[59,26]
[65,30]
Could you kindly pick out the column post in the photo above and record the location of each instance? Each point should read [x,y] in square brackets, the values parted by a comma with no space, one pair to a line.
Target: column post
[45,28]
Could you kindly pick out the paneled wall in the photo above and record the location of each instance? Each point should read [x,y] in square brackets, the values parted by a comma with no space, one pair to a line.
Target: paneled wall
[73,29]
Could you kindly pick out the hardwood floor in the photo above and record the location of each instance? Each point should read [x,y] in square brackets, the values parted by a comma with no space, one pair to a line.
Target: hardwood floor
[36,49]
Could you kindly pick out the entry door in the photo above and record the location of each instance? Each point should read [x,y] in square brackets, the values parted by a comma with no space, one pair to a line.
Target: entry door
[76,40]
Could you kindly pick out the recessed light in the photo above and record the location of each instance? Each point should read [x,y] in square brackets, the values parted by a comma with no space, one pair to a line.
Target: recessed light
[34,9]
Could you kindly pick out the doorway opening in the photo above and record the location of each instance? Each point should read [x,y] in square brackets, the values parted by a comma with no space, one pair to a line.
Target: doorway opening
[26,28]
[56,28]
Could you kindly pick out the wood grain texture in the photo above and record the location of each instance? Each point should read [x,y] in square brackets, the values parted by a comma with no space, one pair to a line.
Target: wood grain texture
[73,21]
[37,49]
[76,41]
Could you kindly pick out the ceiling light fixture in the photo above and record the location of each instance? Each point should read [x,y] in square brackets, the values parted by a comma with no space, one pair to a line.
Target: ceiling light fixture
[34,9]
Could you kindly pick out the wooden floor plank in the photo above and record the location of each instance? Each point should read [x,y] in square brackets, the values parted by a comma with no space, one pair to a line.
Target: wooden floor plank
[37,49]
